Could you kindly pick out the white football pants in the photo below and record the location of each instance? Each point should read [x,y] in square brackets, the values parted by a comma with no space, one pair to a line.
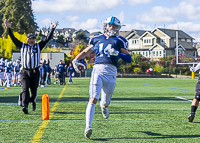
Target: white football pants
[103,80]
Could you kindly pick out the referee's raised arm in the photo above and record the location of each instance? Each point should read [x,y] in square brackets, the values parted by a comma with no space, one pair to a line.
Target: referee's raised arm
[46,39]
[17,43]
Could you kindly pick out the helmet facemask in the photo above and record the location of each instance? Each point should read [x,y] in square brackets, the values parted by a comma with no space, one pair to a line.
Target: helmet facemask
[114,23]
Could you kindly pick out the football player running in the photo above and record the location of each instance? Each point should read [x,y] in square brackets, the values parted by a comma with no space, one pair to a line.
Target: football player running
[195,102]
[108,49]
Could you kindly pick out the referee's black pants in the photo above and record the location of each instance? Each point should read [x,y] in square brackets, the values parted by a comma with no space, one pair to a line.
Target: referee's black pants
[29,79]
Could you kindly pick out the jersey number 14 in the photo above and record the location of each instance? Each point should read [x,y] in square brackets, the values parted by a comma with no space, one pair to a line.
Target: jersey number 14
[104,51]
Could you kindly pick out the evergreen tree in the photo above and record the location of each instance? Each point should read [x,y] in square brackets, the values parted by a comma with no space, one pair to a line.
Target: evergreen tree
[20,13]
[2,4]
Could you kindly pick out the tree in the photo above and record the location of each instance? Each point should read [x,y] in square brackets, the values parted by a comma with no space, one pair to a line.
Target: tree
[7,46]
[81,36]
[135,59]
[2,4]
[21,15]
[61,39]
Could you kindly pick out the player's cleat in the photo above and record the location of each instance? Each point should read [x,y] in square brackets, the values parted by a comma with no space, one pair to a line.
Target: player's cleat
[88,133]
[33,106]
[105,112]
[55,82]
[190,118]
[43,86]
[15,85]
[25,110]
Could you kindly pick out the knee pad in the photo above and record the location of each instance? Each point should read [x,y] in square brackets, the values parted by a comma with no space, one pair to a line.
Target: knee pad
[104,103]
[197,97]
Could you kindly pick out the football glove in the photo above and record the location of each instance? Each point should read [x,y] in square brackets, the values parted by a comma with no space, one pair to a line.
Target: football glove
[113,52]
[192,69]
[76,64]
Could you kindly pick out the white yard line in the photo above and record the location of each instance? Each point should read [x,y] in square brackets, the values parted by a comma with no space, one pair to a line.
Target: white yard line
[183,98]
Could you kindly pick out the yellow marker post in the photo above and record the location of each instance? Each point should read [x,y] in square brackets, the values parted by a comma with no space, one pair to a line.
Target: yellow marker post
[193,75]
[45,107]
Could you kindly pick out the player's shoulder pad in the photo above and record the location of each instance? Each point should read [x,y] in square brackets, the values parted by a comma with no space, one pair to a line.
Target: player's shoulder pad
[96,39]
[124,41]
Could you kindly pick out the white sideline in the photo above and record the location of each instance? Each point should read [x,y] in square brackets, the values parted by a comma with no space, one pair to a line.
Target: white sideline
[183,98]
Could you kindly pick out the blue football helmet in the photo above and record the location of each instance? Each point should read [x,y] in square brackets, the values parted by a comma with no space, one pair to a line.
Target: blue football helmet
[111,21]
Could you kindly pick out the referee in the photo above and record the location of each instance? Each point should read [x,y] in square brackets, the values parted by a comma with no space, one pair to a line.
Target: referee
[30,59]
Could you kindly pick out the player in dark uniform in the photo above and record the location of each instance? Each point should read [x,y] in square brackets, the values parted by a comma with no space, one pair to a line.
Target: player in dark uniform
[70,72]
[108,48]
[195,102]
[60,71]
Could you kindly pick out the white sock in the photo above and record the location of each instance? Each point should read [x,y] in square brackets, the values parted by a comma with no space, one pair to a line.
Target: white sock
[90,110]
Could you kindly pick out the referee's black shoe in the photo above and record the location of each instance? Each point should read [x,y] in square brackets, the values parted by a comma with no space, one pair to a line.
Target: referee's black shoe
[25,110]
[190,118]
[33,106]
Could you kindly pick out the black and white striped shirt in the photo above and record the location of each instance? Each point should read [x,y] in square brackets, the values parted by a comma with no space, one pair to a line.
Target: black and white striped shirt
[30,55]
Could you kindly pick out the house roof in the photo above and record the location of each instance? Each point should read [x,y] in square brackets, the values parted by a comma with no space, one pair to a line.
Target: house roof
[150,33]
[133,34]
[80,30]
[96,33]
[124,33]
[172,33]
[158,44]
[140,32]
[59,30]
[68,29]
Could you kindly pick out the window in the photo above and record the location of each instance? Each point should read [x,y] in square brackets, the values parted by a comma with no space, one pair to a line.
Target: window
[160,54]
[163,40]
[147,41]
[146,54]
[154,53]
[174,39]
[189,40]
[164,53]
[182,39]
[135,41]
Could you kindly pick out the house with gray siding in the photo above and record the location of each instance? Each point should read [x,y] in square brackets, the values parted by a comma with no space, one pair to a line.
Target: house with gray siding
[159,43]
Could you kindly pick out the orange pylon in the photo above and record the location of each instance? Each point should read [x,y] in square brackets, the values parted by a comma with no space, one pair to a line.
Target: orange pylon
[45,107]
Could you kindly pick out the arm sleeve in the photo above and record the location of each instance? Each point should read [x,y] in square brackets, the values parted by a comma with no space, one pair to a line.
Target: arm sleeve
[125,57]
[46,39]
[17,43]
[197,67]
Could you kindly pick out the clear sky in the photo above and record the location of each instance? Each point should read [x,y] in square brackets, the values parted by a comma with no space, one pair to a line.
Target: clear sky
[135,14]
